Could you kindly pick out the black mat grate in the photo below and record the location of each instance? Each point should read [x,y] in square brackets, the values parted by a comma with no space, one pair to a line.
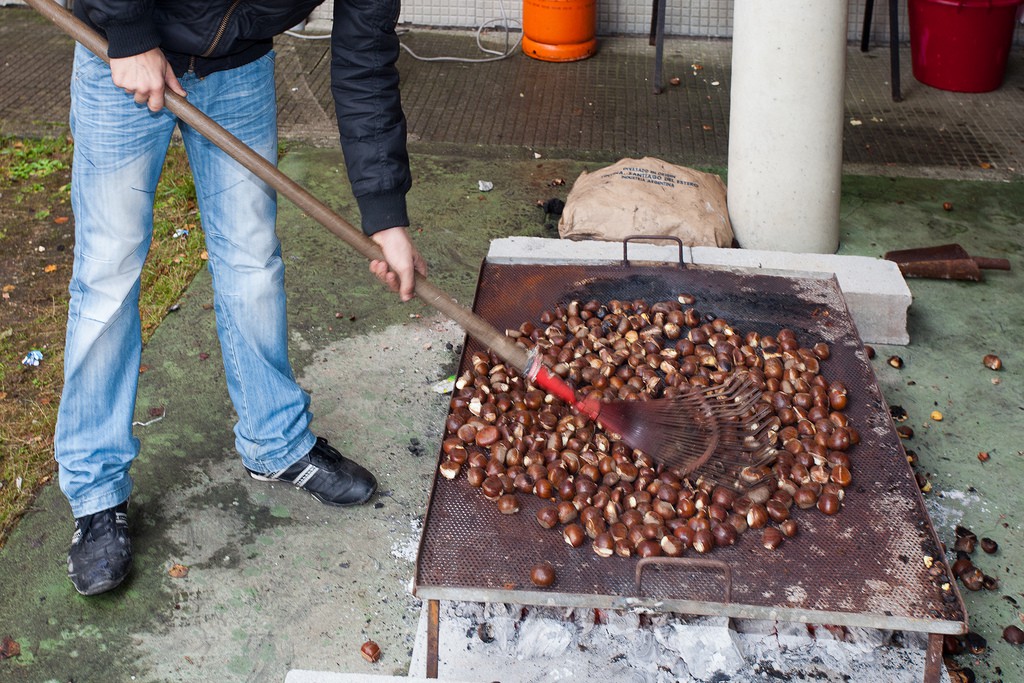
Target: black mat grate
[864,566]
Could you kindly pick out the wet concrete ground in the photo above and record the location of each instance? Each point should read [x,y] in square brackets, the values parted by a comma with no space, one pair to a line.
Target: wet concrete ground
[279,582]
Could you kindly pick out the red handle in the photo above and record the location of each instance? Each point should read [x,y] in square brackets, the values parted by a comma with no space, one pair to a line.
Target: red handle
[553,384]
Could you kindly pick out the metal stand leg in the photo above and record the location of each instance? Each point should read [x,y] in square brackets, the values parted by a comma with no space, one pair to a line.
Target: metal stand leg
[894,42]
[933,659]
[894,49]
[658,40]
[433,619]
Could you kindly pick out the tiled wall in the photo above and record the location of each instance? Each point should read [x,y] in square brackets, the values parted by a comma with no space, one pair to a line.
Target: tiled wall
[712,18]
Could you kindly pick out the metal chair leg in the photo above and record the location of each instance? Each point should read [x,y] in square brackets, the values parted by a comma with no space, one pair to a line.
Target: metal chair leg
[865,35]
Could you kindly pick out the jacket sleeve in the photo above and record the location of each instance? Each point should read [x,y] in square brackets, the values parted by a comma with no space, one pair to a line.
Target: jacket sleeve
[371,123]
[127,24]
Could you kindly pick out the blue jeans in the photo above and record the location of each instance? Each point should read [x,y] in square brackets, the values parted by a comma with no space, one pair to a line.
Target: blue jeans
[119,152]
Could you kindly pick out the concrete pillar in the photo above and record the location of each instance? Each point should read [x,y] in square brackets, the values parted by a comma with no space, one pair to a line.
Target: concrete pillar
[786,123]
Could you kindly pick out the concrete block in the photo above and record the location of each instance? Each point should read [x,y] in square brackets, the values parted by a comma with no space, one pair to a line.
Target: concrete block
[874,289]
[876,293]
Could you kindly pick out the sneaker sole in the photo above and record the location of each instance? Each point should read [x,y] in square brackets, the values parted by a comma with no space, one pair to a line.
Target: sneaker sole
[343,505]
[260,477]
[99,588]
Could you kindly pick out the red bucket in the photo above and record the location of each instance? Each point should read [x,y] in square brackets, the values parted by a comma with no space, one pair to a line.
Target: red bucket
[961,45]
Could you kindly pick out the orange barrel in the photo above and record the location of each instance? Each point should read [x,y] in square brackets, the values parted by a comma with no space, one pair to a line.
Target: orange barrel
[559,30]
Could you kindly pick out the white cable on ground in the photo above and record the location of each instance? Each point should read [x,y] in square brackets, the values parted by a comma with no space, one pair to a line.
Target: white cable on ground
[306,36]
[497,54]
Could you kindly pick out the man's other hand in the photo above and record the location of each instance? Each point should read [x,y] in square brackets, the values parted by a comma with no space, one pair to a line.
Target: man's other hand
[145,76]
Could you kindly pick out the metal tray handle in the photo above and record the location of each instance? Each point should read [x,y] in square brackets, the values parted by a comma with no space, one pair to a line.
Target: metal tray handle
[686,563]
[625,247]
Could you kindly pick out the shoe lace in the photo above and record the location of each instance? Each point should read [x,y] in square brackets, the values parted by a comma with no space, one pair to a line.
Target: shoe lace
[325,456]
[97,524]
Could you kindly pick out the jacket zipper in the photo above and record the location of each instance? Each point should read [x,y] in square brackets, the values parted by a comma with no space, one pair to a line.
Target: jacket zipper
[217,36]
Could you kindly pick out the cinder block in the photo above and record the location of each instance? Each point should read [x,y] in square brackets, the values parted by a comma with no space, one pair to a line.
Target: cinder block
[874,289]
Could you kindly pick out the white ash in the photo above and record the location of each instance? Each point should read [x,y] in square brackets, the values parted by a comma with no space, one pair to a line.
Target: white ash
[947,507]
[407,547]
[515,643]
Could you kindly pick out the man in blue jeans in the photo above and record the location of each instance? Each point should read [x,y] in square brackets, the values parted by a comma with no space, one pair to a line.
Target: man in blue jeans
[219,55]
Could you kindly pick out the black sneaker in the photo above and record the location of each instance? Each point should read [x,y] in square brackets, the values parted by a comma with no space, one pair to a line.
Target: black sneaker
[327,475]
[101,552]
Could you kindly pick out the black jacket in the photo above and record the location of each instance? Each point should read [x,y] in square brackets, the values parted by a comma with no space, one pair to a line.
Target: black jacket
[204,37]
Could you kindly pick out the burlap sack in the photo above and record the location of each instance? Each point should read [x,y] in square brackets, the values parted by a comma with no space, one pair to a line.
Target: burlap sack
[648,197]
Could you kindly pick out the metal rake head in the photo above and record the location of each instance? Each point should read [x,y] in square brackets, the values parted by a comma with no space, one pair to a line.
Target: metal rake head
[718,433]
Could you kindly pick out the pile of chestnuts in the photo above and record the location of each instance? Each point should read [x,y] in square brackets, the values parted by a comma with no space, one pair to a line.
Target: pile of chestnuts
[510,439]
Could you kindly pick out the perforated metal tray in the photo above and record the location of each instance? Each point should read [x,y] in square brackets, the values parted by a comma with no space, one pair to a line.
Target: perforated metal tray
[863,567]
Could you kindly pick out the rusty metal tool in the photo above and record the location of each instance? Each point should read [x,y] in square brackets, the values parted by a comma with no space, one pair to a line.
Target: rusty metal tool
[944,262]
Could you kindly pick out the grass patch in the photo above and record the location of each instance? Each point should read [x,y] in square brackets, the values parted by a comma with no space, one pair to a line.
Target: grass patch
[36,238]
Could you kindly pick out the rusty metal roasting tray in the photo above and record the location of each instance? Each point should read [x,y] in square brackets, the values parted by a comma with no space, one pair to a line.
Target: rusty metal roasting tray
[864,567]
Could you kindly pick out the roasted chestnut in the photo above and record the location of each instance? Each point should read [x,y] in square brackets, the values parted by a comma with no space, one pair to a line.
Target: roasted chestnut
[771,538]
[975,643]
[1013,635]
[777,510]
[973,579]
[475,476]
[508,504]
[492,487]
[992,362]
[789,528]
[574,535]
[542,574]
[805,498]
[828,503]
[961,566]
[757,516]
[648,548]
[672,546]
[567,512]
[370,651]
[966,543]
[547,516]
[841,475]
[604,544]
[724,534]
[703,541]
[487,436]
[449,469]
[738,522]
